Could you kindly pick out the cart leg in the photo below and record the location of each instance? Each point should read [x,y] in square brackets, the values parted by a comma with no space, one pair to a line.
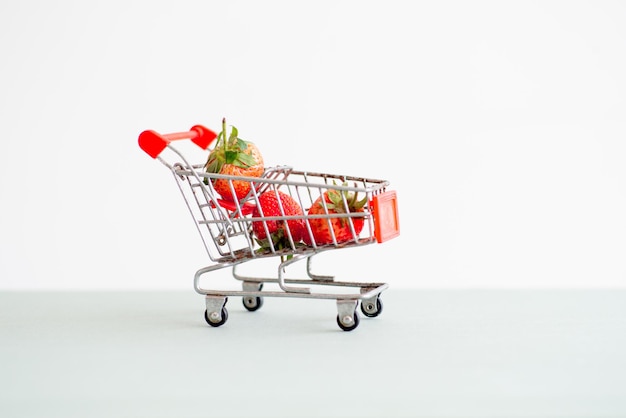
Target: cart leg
[216,313]
[314,276]
[281,277]
[347,317]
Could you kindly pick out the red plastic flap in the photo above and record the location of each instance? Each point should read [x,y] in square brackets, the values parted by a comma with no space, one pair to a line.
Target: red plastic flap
[152,143]
[386,216]
[204,136]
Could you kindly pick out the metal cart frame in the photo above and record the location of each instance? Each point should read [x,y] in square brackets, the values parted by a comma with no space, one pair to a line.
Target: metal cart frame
[225,226]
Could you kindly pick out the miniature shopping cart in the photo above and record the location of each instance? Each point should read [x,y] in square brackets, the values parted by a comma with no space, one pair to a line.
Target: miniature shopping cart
[225,226]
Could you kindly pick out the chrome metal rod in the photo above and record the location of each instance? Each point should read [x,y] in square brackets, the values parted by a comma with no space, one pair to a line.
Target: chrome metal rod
[281,278]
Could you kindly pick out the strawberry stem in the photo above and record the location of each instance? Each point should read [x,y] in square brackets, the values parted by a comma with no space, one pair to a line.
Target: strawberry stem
[224,134]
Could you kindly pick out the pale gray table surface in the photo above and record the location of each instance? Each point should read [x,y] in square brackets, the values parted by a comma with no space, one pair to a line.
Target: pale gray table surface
[431,353]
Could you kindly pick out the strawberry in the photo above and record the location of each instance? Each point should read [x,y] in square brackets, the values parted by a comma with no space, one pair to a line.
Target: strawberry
[323,228]
[234,157]
[277,203]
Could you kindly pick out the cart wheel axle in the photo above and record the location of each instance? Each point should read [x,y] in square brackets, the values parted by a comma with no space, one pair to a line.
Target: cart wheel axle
[348,322]
[371,308]
[252,303]
[216,313]
[347,317]
[214,319]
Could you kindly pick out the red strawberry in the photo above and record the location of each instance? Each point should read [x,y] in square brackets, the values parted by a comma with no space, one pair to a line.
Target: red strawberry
[234,157]
[277,203]
[336,202]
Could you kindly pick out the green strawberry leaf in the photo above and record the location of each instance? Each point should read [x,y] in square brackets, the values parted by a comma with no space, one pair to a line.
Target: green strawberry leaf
[234,133]
[214,163]
[335,197]
[242,145]
[245,160]
[360,204]
[230,156]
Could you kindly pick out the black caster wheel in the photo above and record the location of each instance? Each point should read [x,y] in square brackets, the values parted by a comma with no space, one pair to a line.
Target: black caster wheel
[371,309]
[215,322]
[252,303]
[348,323]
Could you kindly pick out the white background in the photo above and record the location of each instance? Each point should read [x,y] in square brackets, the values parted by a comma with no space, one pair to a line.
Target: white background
[500,124]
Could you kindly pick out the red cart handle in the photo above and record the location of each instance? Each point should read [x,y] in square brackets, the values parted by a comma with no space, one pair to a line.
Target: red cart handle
[153,142]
